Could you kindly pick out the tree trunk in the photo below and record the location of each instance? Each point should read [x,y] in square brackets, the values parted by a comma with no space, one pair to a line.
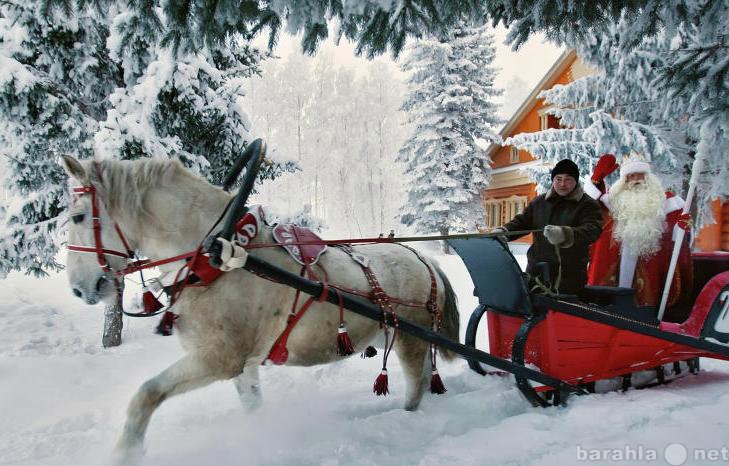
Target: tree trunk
[445,248]
[370,182]
[380,171]
[113,322]
[299,111]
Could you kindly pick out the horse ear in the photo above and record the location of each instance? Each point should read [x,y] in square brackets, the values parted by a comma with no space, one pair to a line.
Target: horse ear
[74,169]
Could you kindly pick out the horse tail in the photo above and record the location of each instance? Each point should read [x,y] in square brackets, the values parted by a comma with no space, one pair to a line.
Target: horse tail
[451,321]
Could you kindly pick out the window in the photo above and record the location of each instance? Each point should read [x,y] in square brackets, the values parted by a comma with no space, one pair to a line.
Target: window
[514,155]
[547,121]
[513,206]
[501,211]
[492,208]
[552,121]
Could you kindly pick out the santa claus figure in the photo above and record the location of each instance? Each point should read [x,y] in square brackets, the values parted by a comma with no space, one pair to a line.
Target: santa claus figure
[635,247]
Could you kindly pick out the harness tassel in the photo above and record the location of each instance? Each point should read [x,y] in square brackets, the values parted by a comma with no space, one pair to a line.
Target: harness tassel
[165,324]
[344,343]
[150,302]
[380,387]
[436,383]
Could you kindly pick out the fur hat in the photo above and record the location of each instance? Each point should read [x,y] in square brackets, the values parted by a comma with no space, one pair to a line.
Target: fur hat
[566,167]
[634,163]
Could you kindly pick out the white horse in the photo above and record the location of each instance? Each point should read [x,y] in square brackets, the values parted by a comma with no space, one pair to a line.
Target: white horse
[229,327]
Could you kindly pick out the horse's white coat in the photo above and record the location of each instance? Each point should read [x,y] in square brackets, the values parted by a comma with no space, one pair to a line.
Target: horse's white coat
[229,327]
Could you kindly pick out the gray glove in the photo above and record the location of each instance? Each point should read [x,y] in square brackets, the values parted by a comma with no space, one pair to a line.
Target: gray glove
[554,234]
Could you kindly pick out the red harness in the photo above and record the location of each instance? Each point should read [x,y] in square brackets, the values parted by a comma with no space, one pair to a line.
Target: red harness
[298,243]
[197,262]
[101,252]
[98,248]
[304,246]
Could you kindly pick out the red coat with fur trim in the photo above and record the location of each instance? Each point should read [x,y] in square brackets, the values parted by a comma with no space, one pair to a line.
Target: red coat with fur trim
[650,272]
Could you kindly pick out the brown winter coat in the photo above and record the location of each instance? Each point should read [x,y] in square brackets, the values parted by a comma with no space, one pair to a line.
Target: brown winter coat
[581,215]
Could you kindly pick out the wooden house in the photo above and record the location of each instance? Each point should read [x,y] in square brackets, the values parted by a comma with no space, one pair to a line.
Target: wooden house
[511,189]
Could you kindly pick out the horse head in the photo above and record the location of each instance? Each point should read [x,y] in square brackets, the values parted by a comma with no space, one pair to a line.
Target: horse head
[96,248]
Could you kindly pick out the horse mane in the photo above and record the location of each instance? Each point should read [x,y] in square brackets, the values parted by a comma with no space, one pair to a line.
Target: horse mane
[125,183]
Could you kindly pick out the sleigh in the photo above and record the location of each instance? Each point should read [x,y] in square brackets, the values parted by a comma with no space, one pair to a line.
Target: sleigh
[554,345]
[600,335]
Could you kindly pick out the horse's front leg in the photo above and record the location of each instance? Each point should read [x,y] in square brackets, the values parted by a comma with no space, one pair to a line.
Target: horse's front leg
[249,387]
[186,374]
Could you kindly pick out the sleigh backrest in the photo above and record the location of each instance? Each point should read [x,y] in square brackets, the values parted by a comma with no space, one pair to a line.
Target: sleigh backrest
[497,278]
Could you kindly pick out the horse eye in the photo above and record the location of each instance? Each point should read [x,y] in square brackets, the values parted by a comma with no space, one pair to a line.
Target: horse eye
[78,218]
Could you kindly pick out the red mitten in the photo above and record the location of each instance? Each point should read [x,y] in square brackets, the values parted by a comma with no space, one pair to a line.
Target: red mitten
[605,166]
[684,221]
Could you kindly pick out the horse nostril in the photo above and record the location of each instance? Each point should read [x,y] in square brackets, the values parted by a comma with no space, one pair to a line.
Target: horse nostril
[77,292]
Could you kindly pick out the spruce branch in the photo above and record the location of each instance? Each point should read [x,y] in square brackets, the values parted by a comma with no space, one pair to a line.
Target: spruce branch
[94,110]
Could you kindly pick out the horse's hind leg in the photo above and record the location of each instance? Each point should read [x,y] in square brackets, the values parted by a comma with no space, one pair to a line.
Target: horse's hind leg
[248,386]
[184,375]
[412,353]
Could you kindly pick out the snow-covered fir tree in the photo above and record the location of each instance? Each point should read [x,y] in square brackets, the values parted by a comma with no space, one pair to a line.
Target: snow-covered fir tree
[450,104]
[377,26]
[100,83]
[624,108]
[55,78]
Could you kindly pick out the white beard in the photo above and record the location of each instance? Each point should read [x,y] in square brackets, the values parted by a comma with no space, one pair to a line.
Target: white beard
[637,210]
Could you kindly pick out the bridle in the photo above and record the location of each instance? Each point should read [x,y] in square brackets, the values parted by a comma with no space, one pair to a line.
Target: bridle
[98,248]
[101,252]
[134,264]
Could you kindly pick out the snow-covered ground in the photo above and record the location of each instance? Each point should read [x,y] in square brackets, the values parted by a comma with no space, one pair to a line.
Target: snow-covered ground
[63,399]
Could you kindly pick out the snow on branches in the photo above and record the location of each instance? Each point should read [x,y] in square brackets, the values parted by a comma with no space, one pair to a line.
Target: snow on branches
[100,83]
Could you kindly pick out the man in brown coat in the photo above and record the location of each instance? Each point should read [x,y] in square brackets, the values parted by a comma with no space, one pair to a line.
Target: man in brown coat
[571,221]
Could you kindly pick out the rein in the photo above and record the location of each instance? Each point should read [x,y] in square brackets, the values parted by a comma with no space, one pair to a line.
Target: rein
[190,257]
[393,239]
[141,264]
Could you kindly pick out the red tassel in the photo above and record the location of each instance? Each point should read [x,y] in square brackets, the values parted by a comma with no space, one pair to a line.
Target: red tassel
[165,324]
[380,387]
[344,344]
[150,302]
[436,383]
